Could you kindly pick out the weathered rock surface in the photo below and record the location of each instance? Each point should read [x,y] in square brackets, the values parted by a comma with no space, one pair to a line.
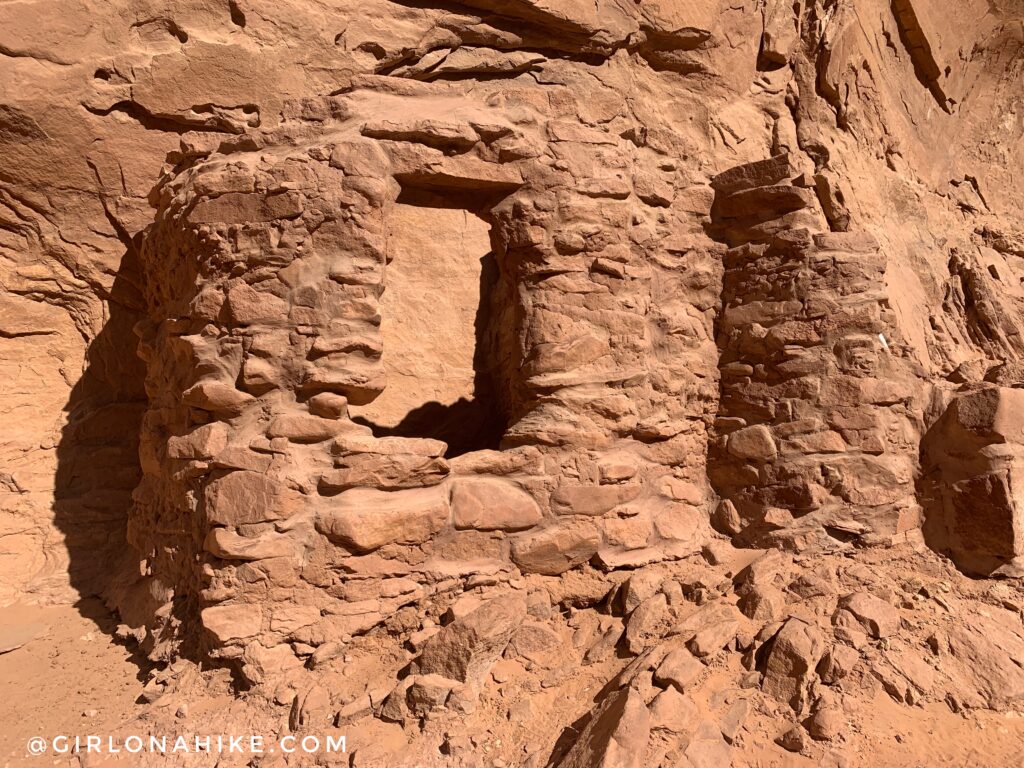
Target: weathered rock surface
[466,648]
[792,660]
[617,736]
[974,454]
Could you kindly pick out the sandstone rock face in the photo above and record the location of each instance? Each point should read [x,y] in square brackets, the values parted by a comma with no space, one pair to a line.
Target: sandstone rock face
[975,453]
[399,322]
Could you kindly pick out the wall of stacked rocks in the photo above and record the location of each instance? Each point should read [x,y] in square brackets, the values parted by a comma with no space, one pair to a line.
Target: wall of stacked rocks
[822,403]
[266,271]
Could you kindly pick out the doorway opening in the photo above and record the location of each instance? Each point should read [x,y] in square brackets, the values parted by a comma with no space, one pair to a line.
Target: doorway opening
[438,322]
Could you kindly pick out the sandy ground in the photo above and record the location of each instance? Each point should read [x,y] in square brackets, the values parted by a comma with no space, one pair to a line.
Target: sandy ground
[885,734]
[921,737]
[70,678]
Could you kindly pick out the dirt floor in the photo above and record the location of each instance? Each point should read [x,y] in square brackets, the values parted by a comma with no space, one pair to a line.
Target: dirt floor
[69,677]
[886,734]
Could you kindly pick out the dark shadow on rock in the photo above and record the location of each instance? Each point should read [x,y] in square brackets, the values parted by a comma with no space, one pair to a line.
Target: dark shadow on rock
[987,513]
[98,458]
[466,425]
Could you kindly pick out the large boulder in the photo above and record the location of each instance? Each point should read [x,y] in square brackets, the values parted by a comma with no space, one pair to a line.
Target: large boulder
[616,736]
[794,655]
[466,649]
[975,456]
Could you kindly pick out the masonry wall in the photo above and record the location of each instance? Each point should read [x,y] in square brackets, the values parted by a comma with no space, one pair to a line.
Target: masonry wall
[267,350]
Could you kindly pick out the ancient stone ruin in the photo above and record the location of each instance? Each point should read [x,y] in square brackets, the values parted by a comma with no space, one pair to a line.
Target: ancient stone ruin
[525,383]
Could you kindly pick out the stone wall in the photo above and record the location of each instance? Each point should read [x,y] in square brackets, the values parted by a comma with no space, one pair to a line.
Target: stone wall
[822,404]
[266,270]
[675,267]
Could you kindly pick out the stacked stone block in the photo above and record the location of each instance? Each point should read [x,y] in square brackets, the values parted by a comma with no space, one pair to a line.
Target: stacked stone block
[819,417]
